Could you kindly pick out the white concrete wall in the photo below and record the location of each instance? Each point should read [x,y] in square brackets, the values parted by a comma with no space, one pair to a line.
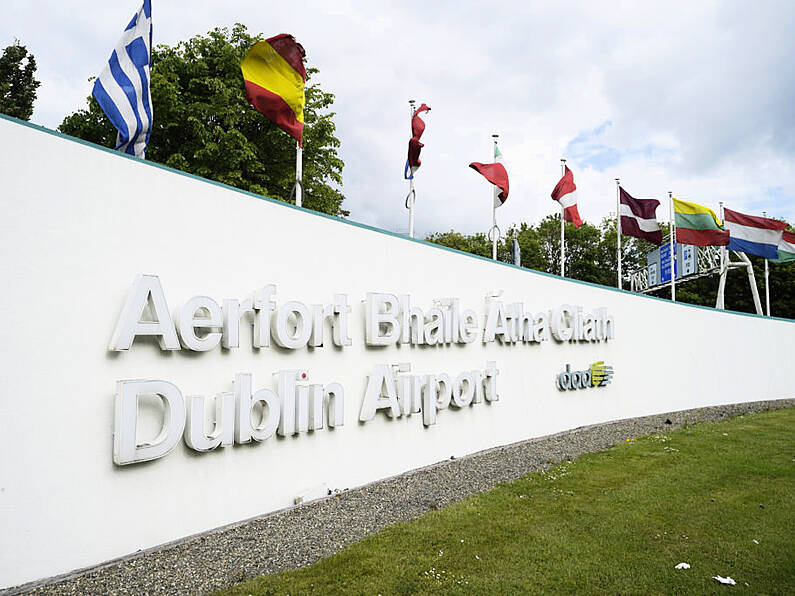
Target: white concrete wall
[78,224]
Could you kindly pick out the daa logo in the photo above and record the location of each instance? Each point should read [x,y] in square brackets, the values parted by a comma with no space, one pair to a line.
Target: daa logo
[598,375]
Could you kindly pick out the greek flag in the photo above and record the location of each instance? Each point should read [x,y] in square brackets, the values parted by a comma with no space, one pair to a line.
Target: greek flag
[122,90]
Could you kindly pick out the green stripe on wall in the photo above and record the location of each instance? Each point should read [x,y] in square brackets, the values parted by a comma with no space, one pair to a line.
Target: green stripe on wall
[695,221]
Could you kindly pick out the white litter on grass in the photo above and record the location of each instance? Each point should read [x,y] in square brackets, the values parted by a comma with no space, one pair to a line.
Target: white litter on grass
[756,541]
[725,580]
[682,566]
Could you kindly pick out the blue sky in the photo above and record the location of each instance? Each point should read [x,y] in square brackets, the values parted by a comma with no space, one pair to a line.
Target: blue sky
[589,150]
[693,97]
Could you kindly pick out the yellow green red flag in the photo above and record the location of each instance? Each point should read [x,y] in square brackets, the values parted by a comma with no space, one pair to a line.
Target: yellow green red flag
[698,225]
[274,72]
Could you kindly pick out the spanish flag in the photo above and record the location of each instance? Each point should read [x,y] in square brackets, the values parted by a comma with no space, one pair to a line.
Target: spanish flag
[275,77]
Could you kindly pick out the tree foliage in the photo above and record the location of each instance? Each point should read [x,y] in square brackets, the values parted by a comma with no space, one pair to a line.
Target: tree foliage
[203,124]
[17,83]
[590,250]
[738,295]
[591,256]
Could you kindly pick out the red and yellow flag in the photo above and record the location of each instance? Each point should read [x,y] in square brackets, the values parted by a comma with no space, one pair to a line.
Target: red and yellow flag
[275,77]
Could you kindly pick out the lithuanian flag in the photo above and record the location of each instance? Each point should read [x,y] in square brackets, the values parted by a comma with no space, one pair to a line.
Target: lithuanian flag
[275,77]
[698,225]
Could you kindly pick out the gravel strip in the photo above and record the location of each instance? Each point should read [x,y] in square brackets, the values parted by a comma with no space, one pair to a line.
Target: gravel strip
[298,536]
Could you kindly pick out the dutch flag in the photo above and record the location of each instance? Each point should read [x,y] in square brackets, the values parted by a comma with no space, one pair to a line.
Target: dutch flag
[753,234]
[122,90]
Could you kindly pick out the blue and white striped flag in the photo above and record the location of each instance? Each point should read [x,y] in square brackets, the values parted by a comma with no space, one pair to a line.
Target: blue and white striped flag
[122,90]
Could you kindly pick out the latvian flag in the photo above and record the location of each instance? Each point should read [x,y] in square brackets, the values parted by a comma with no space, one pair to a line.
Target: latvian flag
[638,218]
[496,174]
[417,128]
[752,234]
[565,194]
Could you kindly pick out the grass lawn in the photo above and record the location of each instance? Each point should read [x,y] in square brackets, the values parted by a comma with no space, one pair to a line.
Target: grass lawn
[719,496]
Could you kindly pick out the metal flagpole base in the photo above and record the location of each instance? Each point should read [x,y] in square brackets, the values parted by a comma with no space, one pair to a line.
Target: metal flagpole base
[720,300]
[752,281]
[410,198]
[299,175]
[295,193]
[494,234]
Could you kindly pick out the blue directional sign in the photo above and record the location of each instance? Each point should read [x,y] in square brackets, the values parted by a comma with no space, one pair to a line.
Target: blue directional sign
[665,263]
[658,263]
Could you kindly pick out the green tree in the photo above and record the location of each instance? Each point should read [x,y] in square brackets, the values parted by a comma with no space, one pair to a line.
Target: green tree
[583,249]
[203,124]
[17,83]
[476,244]
[590,250]
[591,256]
[782,288]
[704,291]
[540,248]
[530,246]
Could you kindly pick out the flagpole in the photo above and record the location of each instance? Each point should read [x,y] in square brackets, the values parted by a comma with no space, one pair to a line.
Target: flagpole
[767,280]
[494,228]
[720,301]
[562,228]
[494,233]
[672,230]
[618,228]
[299,174]
[411,179]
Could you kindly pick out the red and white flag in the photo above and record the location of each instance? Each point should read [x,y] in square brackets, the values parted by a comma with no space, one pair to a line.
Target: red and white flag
[565,193]
[639,217]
